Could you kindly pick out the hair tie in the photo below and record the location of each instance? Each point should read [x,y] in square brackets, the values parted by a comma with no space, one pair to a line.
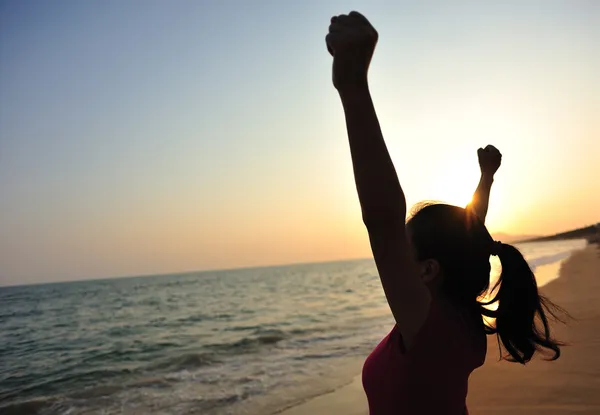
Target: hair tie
[496,248]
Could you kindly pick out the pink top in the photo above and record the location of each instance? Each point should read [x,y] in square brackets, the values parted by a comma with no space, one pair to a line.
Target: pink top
[432,377]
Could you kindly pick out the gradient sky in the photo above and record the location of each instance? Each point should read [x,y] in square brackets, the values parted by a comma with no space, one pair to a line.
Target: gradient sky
[142,136]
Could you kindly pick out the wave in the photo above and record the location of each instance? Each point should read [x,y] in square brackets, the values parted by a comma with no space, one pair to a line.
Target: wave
[549,259]
[63,403]
[242,328]
[196,318]
[186,361]
[100,369]
[329,355]
[96,392]
[217,353]
[248,344]
[30,407]
[300,332]
[53,383]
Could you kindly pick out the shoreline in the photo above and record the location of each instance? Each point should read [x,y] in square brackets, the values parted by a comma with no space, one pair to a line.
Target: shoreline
[349,399]
[494,387]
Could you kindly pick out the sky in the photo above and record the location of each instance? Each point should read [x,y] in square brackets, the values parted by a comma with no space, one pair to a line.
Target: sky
[144,137]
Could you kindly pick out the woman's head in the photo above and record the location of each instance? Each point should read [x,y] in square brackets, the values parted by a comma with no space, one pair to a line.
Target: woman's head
[454,248]
[460,245]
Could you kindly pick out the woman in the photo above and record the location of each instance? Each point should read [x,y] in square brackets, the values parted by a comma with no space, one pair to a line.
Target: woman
[433,268]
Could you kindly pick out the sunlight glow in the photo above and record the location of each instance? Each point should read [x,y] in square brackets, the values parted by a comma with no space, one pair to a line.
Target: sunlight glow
[454,188]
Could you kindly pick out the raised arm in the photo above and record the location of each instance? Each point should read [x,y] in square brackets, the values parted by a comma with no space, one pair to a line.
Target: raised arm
[489,162]
[351,41]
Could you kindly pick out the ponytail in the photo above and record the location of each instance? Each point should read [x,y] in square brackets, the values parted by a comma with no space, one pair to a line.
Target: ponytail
[521,320]
[459,241]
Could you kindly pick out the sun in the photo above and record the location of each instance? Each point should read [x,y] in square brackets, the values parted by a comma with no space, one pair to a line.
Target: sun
[456,185]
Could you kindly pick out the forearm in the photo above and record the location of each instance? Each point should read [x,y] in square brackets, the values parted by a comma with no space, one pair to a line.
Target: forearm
[379,191]
[481,197]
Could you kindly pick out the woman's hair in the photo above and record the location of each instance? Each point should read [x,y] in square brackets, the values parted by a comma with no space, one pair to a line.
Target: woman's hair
[462,245]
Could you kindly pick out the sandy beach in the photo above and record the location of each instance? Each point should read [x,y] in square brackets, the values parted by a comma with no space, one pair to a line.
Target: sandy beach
[570,385]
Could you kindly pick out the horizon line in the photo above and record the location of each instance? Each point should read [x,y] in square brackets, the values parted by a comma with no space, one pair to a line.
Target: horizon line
[181,273]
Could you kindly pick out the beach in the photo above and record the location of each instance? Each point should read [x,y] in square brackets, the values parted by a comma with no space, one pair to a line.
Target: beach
[569,385]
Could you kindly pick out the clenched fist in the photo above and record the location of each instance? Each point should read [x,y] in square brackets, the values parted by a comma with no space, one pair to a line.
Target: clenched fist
[489,160]
[351,41]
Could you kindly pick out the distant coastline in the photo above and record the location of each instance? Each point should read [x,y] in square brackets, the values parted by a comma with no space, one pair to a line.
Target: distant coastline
[589,233]
[512,239]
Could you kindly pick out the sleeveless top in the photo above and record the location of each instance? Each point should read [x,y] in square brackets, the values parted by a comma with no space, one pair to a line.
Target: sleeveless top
[432,376]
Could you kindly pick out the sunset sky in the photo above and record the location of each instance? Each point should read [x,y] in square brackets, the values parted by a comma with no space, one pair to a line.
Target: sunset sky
[142,137]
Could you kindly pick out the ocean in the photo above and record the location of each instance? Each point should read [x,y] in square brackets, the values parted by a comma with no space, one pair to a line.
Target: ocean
[248,341]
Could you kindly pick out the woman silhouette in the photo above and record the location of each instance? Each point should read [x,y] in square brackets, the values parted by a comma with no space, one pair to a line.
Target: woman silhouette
[434,268]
